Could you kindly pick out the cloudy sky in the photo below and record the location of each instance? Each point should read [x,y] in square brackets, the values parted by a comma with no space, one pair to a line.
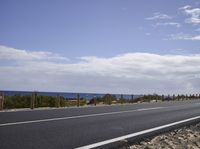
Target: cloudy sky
[100,46]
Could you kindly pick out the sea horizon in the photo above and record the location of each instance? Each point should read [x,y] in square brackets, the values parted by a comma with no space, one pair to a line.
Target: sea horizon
[85,95]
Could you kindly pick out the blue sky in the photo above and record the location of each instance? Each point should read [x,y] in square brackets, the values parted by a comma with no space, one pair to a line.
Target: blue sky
[101,27]
[77,34]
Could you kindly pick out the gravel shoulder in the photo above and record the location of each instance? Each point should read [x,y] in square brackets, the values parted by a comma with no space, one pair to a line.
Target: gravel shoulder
[183,138]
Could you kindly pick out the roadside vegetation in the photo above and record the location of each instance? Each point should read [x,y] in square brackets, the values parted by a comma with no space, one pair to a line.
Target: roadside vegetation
[25,101]
[19,101]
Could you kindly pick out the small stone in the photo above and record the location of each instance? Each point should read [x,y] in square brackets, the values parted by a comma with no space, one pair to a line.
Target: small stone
[184,138]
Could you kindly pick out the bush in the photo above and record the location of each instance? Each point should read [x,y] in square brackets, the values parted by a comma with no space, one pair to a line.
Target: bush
[17,101]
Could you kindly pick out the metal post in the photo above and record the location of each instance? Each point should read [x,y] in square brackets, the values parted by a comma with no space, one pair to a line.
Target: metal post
[1,100]
[78,100]
[58,101]
[31,103]
[33,100]
[163,97]
[168,97]
[95,100]
[173,97]
[186,96]
[132,98]
[36,101]
[40,100]
[121,98]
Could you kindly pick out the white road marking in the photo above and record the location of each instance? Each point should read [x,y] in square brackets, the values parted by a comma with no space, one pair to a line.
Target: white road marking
[136,134]
[146,109]
[79,116]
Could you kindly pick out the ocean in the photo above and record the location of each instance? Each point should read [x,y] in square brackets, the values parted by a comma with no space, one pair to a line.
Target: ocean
[87,96]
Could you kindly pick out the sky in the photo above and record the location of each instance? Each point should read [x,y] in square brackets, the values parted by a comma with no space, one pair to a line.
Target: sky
[100,46]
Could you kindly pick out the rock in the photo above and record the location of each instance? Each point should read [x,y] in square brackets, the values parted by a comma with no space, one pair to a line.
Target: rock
[183,138]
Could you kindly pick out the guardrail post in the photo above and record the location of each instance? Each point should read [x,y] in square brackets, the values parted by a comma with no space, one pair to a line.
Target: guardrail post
[121,98]
[163,98]
[58,101]
[132,98]
[78,100]
[36,101]
[95,100]
[157,98]
[1,100]
[33,97]
[173,97]
[178,97]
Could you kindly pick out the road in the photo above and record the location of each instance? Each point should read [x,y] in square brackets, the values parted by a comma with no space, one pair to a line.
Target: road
[77,127]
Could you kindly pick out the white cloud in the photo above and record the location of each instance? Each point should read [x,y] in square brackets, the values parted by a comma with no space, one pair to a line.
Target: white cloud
[186,7]
[174,24]
[195,37]
[126,73]
[194,14]
[147,34]
[181,36]
[159,16]
[16,54]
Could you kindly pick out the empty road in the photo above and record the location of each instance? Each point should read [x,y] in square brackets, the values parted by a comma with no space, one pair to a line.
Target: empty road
[79,127]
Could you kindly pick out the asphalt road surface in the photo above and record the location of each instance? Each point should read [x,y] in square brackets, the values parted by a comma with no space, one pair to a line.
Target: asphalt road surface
[78,127]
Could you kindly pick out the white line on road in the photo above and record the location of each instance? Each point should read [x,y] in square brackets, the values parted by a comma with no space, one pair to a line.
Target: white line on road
[146,109]
[74,117]
[136,134]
